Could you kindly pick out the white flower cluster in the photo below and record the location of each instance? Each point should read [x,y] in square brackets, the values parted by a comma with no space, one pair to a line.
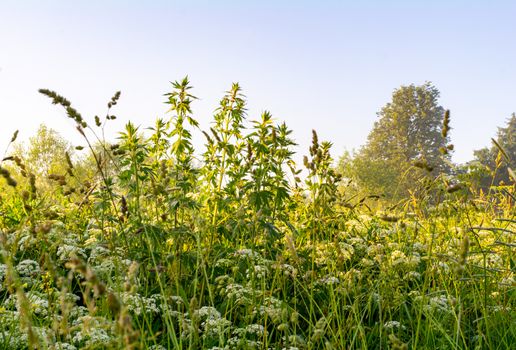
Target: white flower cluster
[98,254]
[287,269]
[28,268]
[212,324]
[93,337]
[213,327]
[13,339]
[247,253]
[239,294]
[3,272]
[64,346]
[391,325]
[38,303]
[273,308]
[93,332]
[66,251]
[139,305]
[440,304]
[257,271]
[329,280]
[156,347]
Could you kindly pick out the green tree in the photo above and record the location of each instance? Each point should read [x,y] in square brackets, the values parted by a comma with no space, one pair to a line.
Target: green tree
[496,162]
[45,152]
[409,132]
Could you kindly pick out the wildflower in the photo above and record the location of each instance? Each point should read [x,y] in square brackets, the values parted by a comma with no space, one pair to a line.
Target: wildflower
[329,280]
[412,275]
[66,251]
[207,312]
[156,347]
[366,262]
[3,271]
[258,271]
[419,247]
[249,253]
[393,325]
[64,346]
[93,337]
[213,327]
[139,305]
[398,258]
[224,263]
[439,303]
[287,269]
[97,254]
[28,268]
[273,308]
[241,295]
[37,302]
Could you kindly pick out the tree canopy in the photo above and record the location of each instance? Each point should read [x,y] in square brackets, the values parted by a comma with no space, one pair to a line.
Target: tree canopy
[500,156]
[408,132]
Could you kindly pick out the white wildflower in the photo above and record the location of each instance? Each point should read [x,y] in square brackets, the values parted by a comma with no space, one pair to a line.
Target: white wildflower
[214,327]
[208,312]
[393,324]
[412,275]
[64,346]
[241,295]
[139,305]
[258,271]
[329,280]
[93,337]
[224,263]
[97,254]
[66,251]
[273,308]
[28,268]
[156,347]
[398,258]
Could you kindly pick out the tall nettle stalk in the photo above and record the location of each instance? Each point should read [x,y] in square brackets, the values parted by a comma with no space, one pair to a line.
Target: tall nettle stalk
[223,160]
[184,174]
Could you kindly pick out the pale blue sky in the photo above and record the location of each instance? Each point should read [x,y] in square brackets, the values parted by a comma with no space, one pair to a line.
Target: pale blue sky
[328,65]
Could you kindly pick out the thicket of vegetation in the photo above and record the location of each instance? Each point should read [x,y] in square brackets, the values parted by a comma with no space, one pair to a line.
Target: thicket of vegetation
[146,244]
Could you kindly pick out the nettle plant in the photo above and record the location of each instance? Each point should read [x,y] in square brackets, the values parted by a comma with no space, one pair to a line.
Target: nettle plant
[321,185]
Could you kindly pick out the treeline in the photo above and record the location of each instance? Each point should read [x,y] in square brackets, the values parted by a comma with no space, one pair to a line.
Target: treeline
[409,147]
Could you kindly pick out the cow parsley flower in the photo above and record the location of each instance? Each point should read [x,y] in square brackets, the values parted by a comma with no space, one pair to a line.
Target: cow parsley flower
[139,305]
[239,294]
[214,327]
[66,251]
[28,268]
[258,271]
[156,347]
[392,325]
[93,337]
[329,280]
[208,312]
[64,346]
[3,272]
[97,254]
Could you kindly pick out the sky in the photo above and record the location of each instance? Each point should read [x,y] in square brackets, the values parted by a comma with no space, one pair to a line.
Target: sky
[324,65]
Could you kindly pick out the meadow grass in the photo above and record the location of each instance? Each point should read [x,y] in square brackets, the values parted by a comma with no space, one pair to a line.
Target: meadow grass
[156,247]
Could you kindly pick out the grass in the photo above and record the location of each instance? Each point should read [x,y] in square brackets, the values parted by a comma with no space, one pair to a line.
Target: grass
[143,244]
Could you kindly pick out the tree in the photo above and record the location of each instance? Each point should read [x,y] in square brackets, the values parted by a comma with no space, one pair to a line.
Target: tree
[409,132]
[496,161]
[50,158]
[45,153]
